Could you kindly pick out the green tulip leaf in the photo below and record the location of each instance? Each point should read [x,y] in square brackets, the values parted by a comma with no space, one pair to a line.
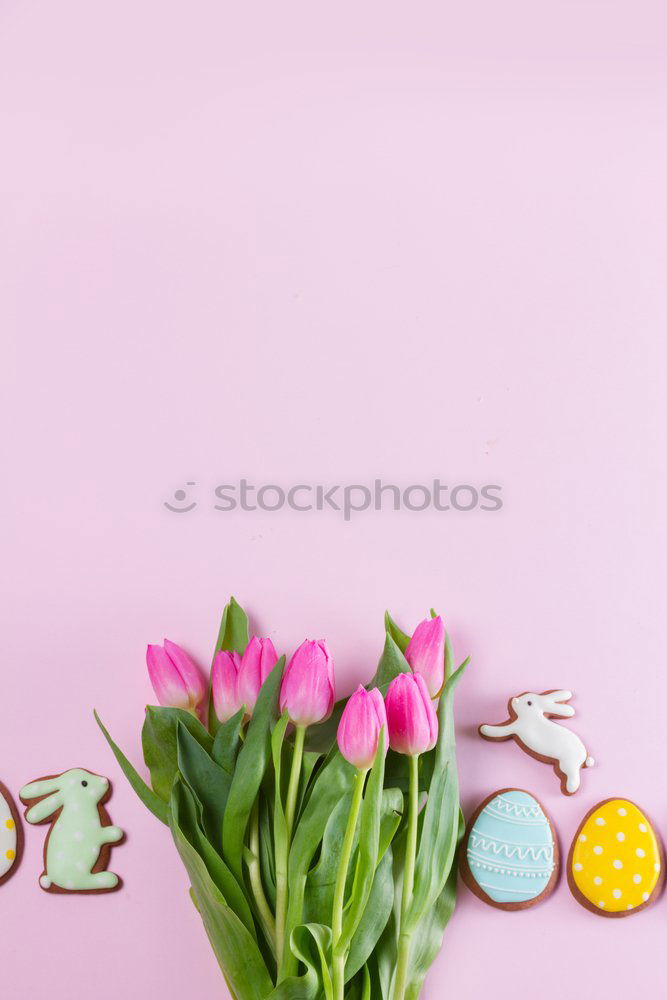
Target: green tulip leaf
[159,742]
[234,946]
[187,810]
[310,944]
[399,637]
[266,850]
[233,633]
[392,663]
[310,761]
[427,939]
[208,780]
[227,742]
[390,819]
[366,989]
[360,988]
[153,802]
[321,881]
[374,919]
[384,957]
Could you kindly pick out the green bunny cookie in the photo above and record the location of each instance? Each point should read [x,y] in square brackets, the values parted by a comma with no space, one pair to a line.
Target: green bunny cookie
[78,842]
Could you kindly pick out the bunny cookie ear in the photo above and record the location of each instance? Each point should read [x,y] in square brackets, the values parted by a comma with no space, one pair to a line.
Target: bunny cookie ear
[46,789]
[552,704]
[43,786]
[45,808]
[563,711]
[558,695]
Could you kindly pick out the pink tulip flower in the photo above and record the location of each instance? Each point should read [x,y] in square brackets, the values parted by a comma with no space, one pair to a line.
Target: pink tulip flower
[426,653]
[225,684]
[362,720]
[413,724]
[257,662]
[177,682]
[308,690]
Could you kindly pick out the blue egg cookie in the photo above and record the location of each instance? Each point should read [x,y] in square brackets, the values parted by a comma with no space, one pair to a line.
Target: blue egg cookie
[510,857]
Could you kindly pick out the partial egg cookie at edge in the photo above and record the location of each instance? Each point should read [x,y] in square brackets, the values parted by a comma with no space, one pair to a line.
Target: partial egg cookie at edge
[11,835]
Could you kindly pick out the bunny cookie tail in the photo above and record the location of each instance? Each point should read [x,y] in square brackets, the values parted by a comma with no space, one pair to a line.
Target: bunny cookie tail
[589,762]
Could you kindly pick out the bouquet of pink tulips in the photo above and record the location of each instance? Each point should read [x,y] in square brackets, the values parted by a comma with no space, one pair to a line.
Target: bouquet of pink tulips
[319,836]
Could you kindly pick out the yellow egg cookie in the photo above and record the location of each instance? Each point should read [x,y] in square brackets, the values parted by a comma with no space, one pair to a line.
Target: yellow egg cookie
[615,866]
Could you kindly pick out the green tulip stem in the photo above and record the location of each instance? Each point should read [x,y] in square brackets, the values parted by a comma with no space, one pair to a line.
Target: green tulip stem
[282,854]
[400,982]
[294,778]
[339,955]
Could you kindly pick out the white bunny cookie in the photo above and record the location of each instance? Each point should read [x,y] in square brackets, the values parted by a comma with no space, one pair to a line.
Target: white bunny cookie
[77,846]
[531,727]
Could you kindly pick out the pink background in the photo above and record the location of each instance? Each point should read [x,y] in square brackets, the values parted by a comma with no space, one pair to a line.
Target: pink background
[318,243]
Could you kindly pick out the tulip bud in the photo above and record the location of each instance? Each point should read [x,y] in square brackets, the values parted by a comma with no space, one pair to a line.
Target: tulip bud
[224,684]
[176,680]
[413,724]
[360,726]
[426,653]
[308,690]
[257,662]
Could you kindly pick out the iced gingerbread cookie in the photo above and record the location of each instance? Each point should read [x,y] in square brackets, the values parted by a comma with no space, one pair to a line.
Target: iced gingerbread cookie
[615,866]
[530,725]
[510,857]
[11,836]
[77,847]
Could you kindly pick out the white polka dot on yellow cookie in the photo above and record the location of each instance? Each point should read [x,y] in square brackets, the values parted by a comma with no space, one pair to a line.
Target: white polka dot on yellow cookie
[616,858]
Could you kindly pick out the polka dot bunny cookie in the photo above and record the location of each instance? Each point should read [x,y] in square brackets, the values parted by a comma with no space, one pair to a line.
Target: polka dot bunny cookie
[77,847]
[11,836]
[616,866]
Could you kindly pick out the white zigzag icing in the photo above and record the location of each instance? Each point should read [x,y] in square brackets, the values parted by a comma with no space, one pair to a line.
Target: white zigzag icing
[517,809]
[512,850]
